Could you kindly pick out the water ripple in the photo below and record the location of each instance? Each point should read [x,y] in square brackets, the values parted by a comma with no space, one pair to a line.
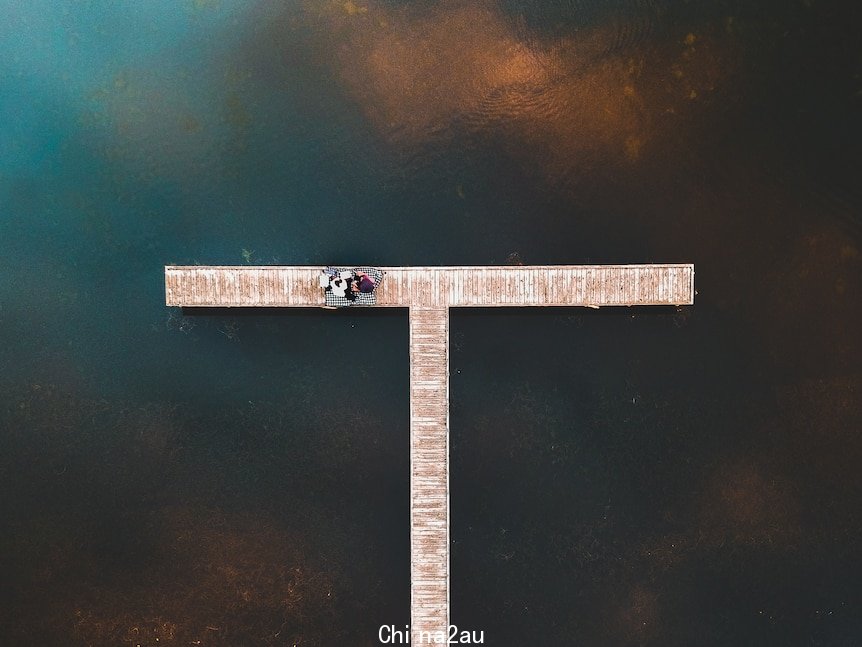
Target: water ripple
[629,23]
[634,24]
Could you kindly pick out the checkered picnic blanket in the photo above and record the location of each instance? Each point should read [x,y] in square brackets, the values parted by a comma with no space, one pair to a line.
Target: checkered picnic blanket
[362,299]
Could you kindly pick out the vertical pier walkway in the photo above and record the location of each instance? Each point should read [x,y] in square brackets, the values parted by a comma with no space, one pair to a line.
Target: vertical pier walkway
[429,471]
[429,292]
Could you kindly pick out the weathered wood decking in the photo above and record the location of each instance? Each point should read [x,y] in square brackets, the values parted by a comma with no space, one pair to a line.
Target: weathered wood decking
[429,471]
[429,292]
[431,287]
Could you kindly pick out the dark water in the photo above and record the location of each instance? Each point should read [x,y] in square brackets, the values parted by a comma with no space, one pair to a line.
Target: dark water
[618,477]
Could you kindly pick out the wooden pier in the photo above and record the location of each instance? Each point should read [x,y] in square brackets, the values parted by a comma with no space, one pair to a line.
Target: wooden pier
[429,292]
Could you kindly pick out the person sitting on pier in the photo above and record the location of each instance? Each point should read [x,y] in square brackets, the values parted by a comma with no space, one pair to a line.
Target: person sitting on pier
[352,288]
[363,282]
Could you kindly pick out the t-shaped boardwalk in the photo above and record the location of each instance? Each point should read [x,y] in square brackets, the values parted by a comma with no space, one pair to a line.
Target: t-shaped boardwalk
[429,292]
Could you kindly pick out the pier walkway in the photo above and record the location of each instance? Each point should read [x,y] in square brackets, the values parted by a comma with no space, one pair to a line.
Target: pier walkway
[458,287]
[429,292]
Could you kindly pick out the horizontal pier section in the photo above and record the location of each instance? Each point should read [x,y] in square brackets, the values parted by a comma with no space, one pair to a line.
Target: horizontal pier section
[437,287]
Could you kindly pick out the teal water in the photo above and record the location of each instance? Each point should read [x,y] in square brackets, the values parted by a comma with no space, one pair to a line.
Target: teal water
[618,477]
